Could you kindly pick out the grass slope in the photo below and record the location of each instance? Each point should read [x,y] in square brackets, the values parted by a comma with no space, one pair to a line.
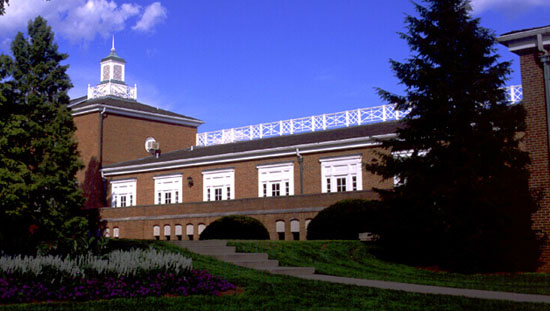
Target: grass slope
[355,259]
[263,291]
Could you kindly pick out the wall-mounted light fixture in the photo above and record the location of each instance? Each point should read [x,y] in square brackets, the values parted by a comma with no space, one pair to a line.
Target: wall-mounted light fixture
[190,181]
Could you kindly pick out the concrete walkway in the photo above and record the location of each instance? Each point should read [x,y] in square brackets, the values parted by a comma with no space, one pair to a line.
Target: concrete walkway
[428,289]
[260,261]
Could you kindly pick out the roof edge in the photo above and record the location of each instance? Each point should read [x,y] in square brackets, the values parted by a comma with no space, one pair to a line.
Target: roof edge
[136,113]
[521,40]
[337,144]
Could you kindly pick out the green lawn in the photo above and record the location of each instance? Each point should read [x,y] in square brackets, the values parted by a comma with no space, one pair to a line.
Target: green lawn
[263,291]
[356,259]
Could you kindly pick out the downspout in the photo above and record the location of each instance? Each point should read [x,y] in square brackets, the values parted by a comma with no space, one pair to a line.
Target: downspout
[100,155]
[545,59]
[301,163]
[100,142]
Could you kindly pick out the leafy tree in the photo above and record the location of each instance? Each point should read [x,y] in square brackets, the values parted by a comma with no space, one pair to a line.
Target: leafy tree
[3,4]
[462,201]
[40,202]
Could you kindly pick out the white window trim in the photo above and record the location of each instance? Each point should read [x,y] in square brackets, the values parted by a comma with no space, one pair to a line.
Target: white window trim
[168,184]
[129,192]
[266,175]
[222,178]
[327,165]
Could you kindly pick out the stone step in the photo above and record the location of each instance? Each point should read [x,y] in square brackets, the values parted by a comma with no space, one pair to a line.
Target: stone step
[241,257]
[293,271]
[258,264]
[212,250]
[186,243]
[259,261]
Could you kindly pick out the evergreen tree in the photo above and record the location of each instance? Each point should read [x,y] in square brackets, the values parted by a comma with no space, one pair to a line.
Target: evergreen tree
[462,199]
[40,202]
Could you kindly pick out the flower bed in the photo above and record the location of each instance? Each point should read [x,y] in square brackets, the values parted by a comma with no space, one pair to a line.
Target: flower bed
[135,273]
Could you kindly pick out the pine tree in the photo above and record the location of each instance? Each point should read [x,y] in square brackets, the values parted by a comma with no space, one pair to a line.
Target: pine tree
[40,202]
[462,200]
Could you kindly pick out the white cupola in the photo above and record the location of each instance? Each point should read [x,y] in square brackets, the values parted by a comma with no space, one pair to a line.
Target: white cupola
[112,78]
[112,67]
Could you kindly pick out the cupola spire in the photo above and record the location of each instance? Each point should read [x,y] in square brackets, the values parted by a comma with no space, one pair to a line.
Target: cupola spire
[112,78]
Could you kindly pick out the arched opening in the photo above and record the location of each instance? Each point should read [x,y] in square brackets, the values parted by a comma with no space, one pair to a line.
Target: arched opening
[189,231]
[295,229]
[280,228]
[167,233]
[156,232]
[201,228]
[179,230]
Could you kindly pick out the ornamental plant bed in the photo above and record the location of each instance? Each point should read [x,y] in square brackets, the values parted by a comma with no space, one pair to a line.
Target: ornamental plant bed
[119,274]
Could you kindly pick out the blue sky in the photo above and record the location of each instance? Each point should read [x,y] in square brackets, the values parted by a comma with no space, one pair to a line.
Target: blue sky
[233,63]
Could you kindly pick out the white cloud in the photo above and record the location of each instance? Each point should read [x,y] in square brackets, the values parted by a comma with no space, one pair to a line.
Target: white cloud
[80,20]
[483,5]
[154,14]
[96,17]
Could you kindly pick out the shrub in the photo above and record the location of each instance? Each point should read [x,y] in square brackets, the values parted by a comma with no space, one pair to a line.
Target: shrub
[134,273]
[344,220]
[235,228]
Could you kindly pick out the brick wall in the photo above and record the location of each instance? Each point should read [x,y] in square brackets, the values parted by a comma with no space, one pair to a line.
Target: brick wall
[536,141]
[124,137]
[137,222]
[87,136]
[246,176]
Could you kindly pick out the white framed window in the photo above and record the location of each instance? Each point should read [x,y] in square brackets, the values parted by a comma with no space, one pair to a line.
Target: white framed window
[306,223]
[123,192]
[295,229]
[189,229]
[218,185]
[107,233]
[280,229]
[179,232]
[168,189]
[156,231]
[201,228]
[339,174]
[167,232]
[276,179]
[115,232]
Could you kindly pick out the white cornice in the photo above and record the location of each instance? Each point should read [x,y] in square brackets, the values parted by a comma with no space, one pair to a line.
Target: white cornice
[136,114]
[334,145]
[524,40]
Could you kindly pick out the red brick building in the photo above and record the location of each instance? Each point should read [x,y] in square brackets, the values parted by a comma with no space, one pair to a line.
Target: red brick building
[143,167]
[153,176]
[533,46]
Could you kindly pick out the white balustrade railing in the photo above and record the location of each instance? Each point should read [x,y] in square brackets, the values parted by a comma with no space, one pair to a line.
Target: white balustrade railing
[112,89]
[318,123]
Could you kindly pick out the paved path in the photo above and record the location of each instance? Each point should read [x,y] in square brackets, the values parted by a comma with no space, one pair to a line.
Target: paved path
[260,261]
[427,289]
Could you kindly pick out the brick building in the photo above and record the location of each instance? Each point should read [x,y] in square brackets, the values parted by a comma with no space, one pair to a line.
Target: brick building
[533,46]
[150,179]
[153,176]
